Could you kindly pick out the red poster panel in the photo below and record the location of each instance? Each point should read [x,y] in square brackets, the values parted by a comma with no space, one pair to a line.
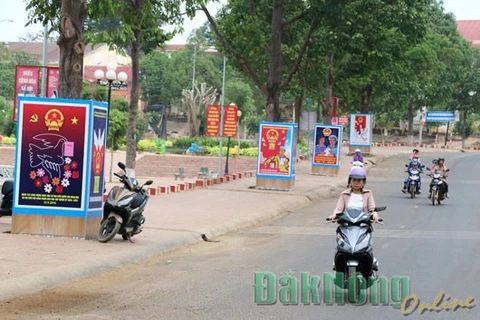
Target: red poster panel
[275,148]
[52,155]
[230,121]
[52,82]
[26,84]
[343,120]
[213,121]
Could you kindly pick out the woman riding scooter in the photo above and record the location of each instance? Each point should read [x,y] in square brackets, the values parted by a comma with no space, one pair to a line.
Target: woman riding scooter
[357,198]
[440,166]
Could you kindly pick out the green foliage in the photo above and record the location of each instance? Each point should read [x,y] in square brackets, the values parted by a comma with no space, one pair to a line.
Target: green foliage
[146,145]
[7,125]
[8,141]
[9,59]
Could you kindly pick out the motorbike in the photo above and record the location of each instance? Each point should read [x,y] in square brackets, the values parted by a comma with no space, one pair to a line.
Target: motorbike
[358,164]
[437,187]
[6,200]
[122,211]
[353,253]
[413,181]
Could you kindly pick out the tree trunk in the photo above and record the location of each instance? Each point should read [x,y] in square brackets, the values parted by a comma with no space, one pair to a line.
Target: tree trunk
[328,106]
[410,123]
[133,108]
[273,85]
[366,99]
[72,48]
[298,108]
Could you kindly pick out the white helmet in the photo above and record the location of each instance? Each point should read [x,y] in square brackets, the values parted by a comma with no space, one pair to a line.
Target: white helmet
[357,150]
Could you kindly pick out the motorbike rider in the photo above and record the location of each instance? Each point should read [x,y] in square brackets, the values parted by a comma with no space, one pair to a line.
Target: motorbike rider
[440,166]
[357,198]
[358,156]
[416,165]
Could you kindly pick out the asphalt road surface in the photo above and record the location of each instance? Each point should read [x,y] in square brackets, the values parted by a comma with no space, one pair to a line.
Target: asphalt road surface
[435,248]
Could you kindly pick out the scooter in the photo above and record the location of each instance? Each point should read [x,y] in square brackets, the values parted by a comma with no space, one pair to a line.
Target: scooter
[437,187]
[6,200]
[122,212]
[413,181]
[353,254]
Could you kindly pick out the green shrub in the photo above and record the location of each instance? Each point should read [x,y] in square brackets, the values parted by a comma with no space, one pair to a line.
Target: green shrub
[9,141]
[249,152]
[146,145]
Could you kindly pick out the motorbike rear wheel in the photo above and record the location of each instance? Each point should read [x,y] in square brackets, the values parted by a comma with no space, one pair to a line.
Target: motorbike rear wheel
[108,229]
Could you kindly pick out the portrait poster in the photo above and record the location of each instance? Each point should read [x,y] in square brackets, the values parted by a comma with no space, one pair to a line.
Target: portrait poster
[98,152]
[275,150]
[50,155]
[328,145]
[360,130]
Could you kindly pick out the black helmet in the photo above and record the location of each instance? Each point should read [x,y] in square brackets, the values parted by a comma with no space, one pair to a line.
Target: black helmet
[440,159]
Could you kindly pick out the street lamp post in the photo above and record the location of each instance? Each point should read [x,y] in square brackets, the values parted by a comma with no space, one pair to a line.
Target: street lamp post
[111,76]
[239,114]
[471,93]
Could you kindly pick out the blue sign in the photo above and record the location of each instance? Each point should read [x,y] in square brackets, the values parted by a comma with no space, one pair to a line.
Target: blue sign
[440,116]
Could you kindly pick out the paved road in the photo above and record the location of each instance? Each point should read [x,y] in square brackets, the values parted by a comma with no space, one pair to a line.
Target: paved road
[436,247]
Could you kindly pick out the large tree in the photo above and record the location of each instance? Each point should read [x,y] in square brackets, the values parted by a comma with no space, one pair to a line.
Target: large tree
[255,34]
[68,18]
[131,26]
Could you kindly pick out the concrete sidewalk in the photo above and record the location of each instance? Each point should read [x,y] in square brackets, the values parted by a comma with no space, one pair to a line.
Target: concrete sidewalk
[31,263]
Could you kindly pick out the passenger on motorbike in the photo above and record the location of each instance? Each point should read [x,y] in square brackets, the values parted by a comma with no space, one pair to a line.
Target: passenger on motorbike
[357,198]
[415,165]
[415,152]
[440,166]
[434,163]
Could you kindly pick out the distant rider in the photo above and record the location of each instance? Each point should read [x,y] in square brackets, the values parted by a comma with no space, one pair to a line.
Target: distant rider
[357,198]
[358,156]
[443,169]
[415,165]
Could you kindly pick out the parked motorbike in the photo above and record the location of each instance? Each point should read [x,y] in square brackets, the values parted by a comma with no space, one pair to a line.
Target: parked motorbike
[122,212]
[413,181]
[353,254]
[6,200]
[437,187]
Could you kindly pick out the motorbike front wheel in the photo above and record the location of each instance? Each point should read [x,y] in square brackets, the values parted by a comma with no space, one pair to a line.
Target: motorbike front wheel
[435,197]
[412,191]
[108,229]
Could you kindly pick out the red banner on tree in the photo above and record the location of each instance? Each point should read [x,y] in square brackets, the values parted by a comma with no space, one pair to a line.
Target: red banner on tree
[213,121]
[230,121]
[52,82]
[26,84]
